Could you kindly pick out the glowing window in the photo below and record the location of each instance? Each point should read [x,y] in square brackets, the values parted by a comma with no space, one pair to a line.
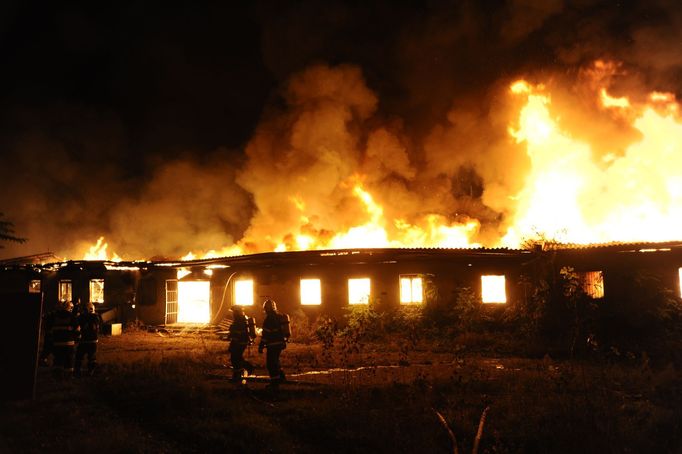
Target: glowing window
[243,292]
[311,292]
[96,290]
[411,289]
[34,286]
[493,289]
[194,301]
[358,291]
[592,283]
[65,290]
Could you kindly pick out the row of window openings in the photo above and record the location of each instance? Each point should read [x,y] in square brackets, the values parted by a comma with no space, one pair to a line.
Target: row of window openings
[359,291]
[65,291]
[411,289]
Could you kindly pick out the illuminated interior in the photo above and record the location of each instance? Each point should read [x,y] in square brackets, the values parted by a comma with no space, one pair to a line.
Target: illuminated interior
[411,289]
[593,283]
[34,286]
[493,289]
[243,292]
[358,291]
[193,301]
[96,290]
[311,292]
[65,291]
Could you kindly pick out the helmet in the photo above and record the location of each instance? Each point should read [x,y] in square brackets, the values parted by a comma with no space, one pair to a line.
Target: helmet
[269,306]
[91,308]
[237,309]
[66,305]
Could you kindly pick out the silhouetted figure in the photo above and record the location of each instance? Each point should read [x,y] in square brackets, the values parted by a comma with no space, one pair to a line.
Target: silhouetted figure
[89,324]
[276,333]
[242,333]
[64,334]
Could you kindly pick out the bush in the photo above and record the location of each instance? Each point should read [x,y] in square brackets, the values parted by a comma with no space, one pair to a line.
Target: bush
[646,315]
[463,314]
[302,329]
[363,323]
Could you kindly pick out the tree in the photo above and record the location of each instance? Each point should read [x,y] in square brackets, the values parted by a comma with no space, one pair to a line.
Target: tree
[7,231]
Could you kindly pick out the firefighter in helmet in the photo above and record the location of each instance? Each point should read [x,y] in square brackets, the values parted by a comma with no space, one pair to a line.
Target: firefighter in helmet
[241,333]
[64,334]
[89,323]
[276,333]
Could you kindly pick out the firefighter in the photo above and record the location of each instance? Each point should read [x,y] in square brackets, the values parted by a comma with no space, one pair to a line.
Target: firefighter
[64,334]
[276,333]
[242,333]
[89,324]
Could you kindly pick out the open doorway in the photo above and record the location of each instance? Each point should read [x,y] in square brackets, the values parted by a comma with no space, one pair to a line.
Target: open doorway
[194,302]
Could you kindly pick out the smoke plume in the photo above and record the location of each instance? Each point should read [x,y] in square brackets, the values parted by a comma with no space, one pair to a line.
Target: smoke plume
[410,104]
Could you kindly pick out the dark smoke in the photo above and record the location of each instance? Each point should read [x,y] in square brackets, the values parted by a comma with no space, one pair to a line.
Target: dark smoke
[177,129]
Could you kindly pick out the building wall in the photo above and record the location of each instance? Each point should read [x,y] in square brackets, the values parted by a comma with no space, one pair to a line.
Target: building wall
[277,276]
[442,278]
[151,295]
[17,280]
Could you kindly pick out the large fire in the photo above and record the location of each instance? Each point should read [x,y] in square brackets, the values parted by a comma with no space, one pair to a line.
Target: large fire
[570,194]
[98,251]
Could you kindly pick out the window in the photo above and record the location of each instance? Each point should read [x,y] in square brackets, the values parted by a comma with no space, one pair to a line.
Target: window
[592,283]
[96,290]
[243,292]
[65,291]
[34,286]
[311,292]
[493,289]
[358,291]
[411,289]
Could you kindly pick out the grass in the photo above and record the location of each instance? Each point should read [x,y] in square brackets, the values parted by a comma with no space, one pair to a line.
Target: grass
[143,401]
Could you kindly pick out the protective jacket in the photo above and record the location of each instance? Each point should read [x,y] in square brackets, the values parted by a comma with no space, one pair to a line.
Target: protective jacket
[89,325]
[64,329]
[275,330]
[242,330]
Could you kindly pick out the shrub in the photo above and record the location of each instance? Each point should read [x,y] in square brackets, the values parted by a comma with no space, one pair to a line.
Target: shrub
[645,314]
[302,329]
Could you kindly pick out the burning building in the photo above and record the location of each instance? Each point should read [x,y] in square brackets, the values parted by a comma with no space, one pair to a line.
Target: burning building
[313,283]
[333,207]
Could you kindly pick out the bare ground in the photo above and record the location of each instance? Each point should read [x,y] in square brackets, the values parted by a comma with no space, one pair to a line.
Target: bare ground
[158,392]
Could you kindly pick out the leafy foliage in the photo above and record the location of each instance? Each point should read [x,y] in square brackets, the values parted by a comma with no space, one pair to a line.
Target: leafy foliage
[642,316]
[7,231]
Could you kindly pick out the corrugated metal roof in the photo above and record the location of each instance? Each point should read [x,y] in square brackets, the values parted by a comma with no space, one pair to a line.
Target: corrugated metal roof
[617,245]
[372,253]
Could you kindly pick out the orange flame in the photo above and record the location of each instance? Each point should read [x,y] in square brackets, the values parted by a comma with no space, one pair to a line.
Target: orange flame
[98,251]
[572,193]
[570,196]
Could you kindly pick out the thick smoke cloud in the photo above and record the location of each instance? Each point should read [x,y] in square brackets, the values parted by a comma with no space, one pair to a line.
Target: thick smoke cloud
[127,138]
[64,195]
[307,152]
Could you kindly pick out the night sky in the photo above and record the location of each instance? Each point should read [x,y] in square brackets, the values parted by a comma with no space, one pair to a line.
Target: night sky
[151,124]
